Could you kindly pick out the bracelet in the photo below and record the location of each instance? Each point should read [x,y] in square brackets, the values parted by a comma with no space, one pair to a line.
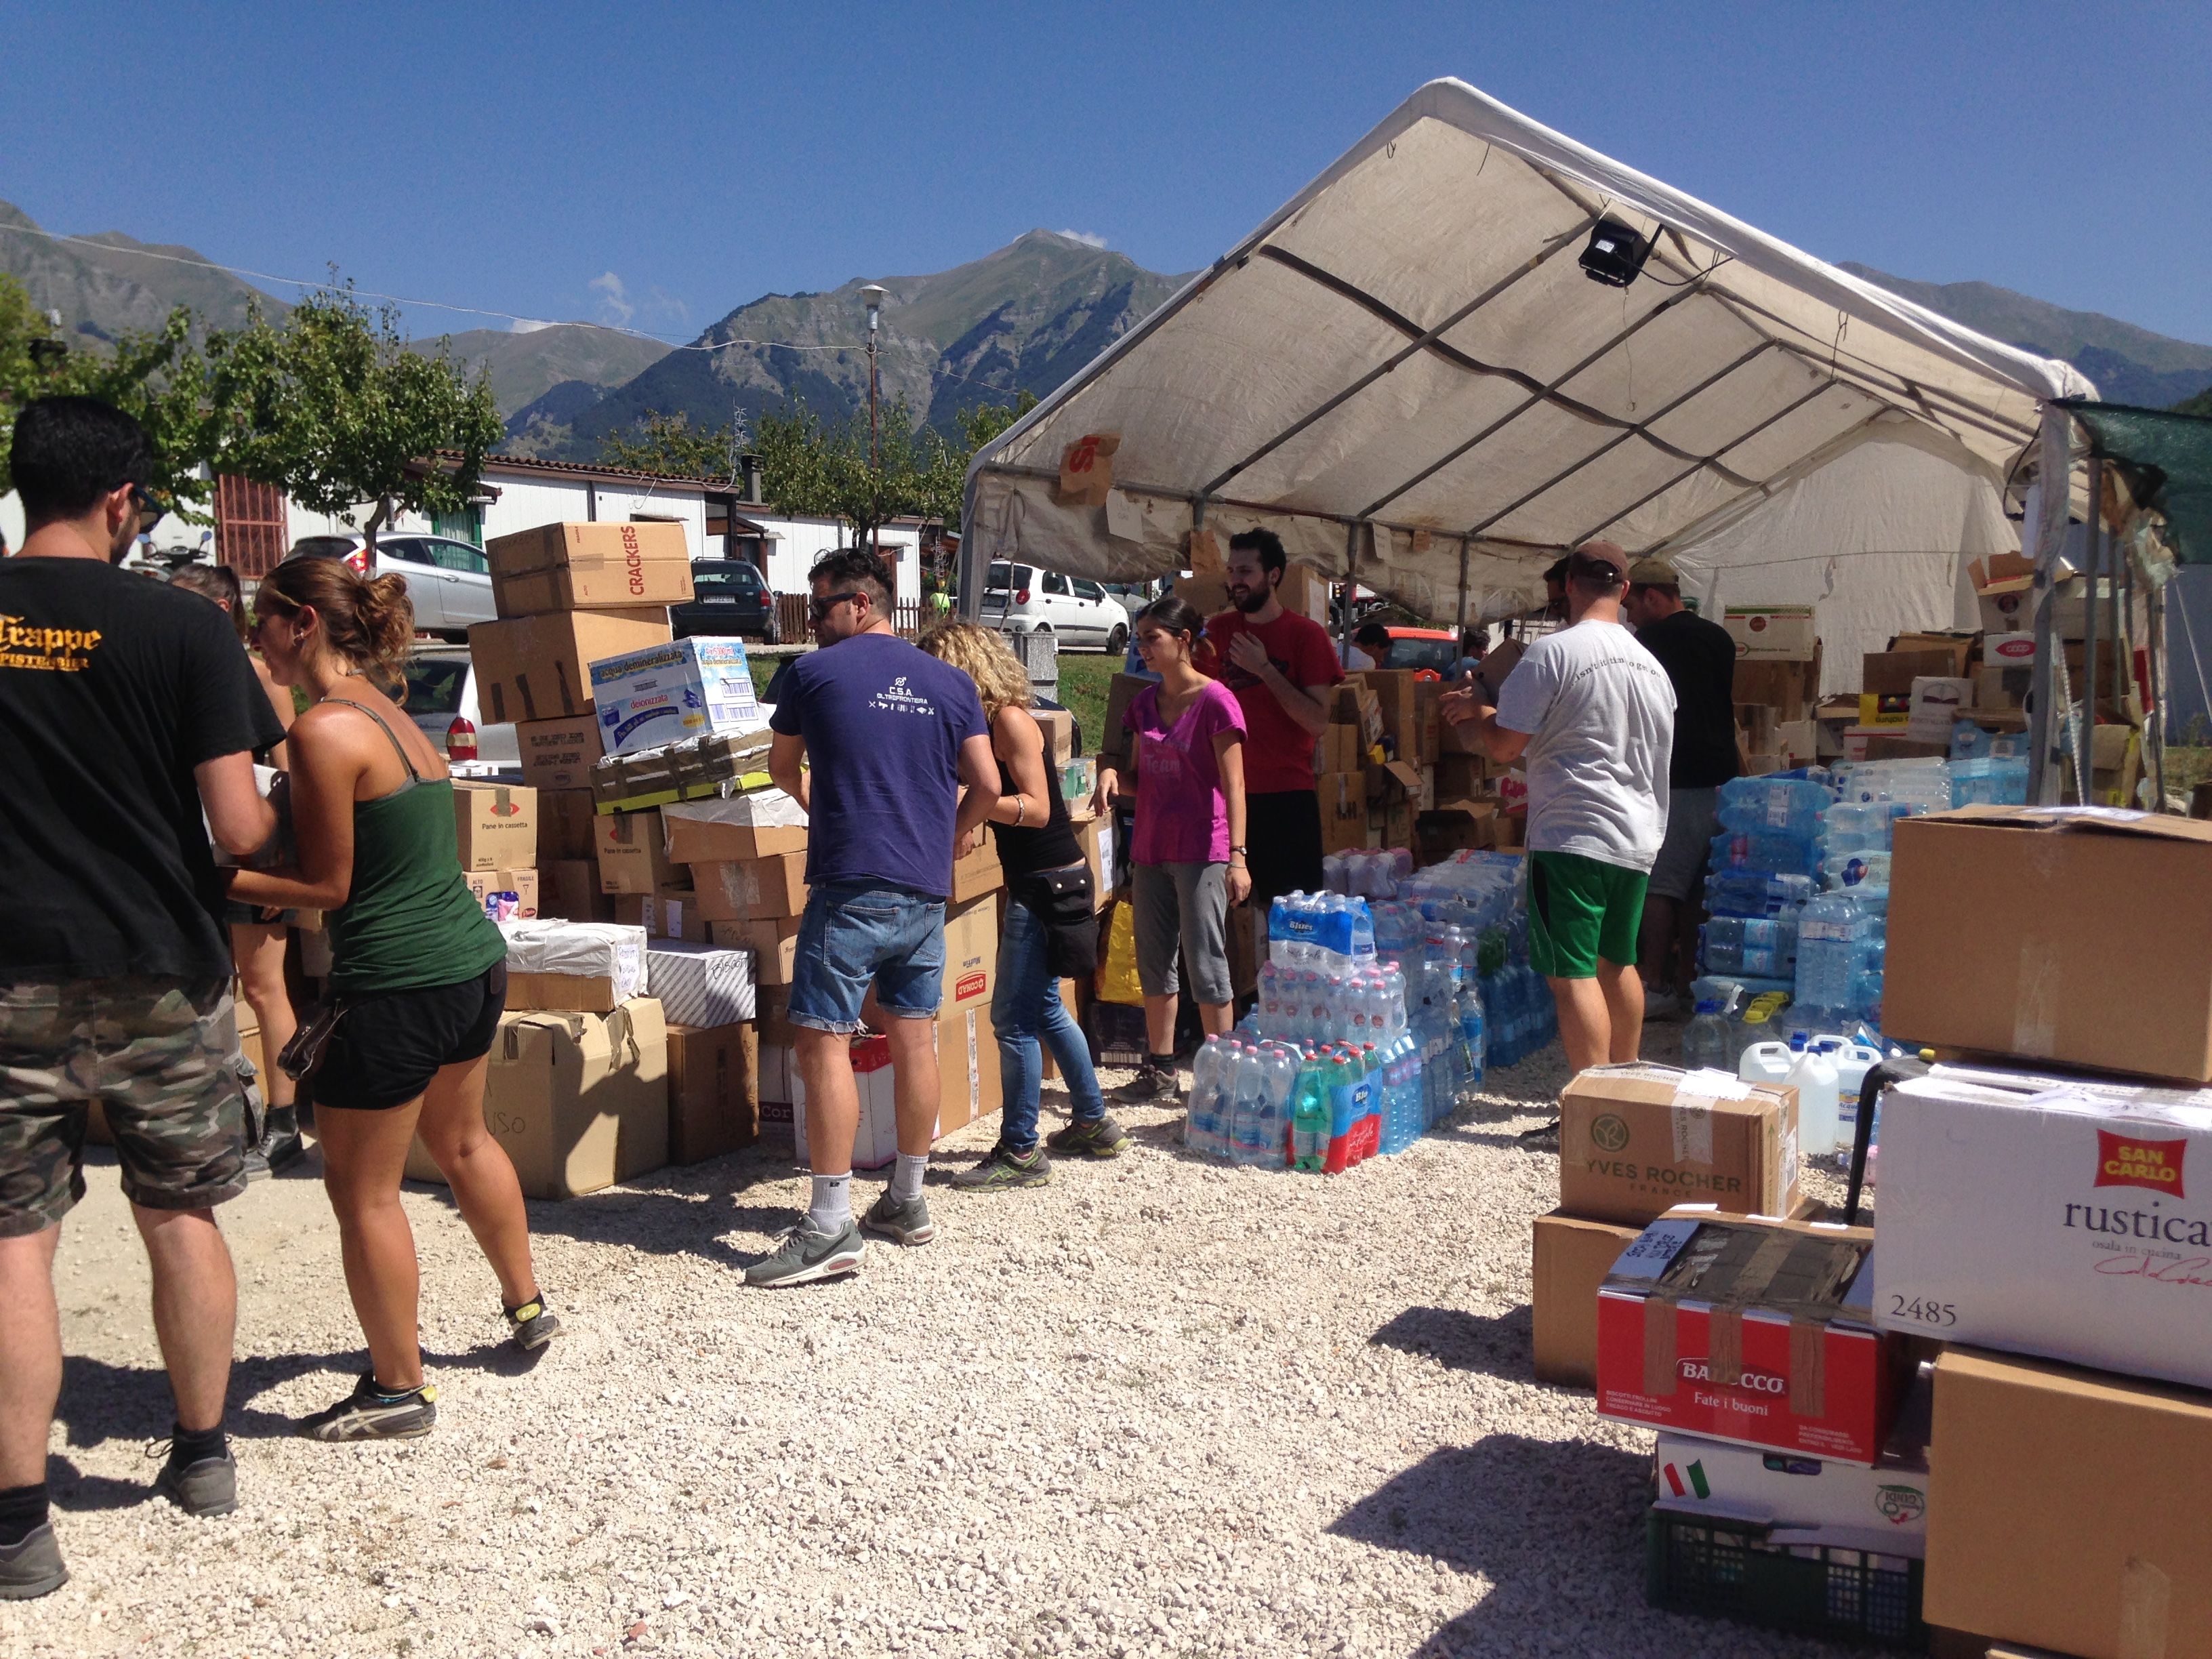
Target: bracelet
[1021,809]
[1241,849]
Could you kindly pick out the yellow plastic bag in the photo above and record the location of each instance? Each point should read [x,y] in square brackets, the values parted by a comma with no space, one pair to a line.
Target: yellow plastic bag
[1117,972]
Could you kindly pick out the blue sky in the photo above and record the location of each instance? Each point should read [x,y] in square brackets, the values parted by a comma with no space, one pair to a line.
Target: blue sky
[660,164]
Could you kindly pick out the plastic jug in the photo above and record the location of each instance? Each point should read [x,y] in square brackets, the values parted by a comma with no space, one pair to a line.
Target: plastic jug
[1853,1061]
[1765,1062]
[1813,1075]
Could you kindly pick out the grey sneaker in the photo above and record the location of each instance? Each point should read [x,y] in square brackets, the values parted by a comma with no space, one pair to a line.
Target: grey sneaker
[533,1324]
[907,1223]
[208,1486]
[803,1256]
[1003,1169]
[370,1413]
[1093,1137]
[33,1567]
[1151,1083]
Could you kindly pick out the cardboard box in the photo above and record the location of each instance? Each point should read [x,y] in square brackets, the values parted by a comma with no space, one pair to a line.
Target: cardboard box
[1807,1500]
[1572,1257]
[1886,683]
[1462,777]
[971,952]
[1058,729]
[1780,632]
[1453,826]
[496,825]
[2050,1216]
[573,967]
[713,1097]
[1957,649]
[772,940]
[703,985]
[578,1101]
[569,889]
[633,853]
[1637,1139]
[567,825]
[1428,718]
[673,913]
[1791,689]
[1113,739]
[665,693]
[742,889]
[1751,1329]
[967,1068]
[979,872]
[756,825]
[558,754]
[2067,1509]
[506,894]
[538,668]
[1094,835]
[1343,811]
[772,1014]
[599,566]
[1355,703]
[2080,935]
[875,1136]
[1399,707]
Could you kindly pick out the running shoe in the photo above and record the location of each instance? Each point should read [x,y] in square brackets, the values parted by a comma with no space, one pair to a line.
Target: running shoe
[33,1567]
[204,1487]
[804,1256]
[907,1223]
[533,1324]
[371,1413]
[1090,1137]
[1003,1169]
[1151,1083]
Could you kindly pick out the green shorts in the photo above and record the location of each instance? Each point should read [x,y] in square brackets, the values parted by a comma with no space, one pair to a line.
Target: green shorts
[1580,909]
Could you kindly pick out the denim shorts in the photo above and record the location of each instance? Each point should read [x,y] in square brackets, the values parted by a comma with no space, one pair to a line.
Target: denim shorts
[856,934]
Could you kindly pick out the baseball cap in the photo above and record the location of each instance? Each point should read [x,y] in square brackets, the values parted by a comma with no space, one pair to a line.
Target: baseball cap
[1654,572]
[1590,555]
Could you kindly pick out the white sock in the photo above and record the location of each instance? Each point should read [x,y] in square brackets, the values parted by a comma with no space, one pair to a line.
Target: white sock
[905,1180]
[831,1210]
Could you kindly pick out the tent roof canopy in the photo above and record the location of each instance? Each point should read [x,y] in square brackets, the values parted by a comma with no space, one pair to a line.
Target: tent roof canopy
[1405,366]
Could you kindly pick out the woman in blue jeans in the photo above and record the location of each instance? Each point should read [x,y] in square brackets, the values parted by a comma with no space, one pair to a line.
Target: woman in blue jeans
[1051,930]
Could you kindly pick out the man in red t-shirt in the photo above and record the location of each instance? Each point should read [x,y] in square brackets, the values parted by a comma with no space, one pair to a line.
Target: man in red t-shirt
[1281,666]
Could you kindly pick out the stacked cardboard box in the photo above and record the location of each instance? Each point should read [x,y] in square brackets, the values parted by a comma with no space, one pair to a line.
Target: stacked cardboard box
[1634,1141]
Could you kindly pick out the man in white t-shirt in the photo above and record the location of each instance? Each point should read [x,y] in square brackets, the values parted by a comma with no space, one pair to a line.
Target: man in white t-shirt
[1592,713]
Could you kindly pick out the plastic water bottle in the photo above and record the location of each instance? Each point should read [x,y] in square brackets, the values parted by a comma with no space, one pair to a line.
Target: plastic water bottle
[1211,1072]
[1706,1043]
[1247,1119]
[1473,1035]
[1813,1075]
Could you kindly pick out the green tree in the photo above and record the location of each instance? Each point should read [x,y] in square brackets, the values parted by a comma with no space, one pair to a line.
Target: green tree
[670,445]
[337,410]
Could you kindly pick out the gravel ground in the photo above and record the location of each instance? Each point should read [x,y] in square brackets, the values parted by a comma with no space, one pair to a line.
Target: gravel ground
[1159,1408]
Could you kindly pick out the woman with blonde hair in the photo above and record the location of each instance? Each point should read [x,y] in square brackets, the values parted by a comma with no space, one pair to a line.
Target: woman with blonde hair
[258,937]
[1051,931]
[419,974]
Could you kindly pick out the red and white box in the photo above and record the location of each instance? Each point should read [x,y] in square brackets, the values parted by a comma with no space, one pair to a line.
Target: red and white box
[875,1139]
[1752,1329]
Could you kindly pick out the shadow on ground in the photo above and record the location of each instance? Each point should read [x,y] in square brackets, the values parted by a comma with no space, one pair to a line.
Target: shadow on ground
[1496,1345]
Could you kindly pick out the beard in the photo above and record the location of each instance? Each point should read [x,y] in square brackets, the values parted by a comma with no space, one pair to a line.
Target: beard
[1249,599]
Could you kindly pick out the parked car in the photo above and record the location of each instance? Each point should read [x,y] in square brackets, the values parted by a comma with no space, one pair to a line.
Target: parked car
[1427,650]
[1019,598]
[442,700]
[729,596]
[449,582]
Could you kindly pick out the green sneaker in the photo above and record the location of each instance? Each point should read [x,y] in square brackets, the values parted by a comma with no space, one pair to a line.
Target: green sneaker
[1003,1169]
[33,1567]
[1094,1137]
[370,1413]
[907,1223]
[803,1256]
[533,1324]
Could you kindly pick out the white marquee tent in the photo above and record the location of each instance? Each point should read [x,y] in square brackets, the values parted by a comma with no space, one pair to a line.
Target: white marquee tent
[1405,374]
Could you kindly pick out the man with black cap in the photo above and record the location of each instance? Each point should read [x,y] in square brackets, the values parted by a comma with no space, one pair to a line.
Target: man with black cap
[1593,713]
[1699,659]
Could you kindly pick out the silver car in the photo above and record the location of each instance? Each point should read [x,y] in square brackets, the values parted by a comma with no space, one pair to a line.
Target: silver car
[449,582]
[441,700]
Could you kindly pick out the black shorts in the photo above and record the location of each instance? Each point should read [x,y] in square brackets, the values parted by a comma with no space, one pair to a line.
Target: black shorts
[390,1044]
[1283,832]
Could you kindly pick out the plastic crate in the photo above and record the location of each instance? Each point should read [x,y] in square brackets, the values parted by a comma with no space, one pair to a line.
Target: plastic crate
[1726,1570]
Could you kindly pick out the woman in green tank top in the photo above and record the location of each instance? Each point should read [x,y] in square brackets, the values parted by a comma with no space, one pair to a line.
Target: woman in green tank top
[417,968]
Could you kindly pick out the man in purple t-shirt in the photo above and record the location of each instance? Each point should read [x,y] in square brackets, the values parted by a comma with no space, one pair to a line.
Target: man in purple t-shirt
[875,738]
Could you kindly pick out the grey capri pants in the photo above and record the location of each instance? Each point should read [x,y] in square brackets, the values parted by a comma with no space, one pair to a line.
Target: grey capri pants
[1185,903]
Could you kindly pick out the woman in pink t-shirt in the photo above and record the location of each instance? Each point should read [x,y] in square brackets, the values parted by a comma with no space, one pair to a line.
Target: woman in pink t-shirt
[1186,736]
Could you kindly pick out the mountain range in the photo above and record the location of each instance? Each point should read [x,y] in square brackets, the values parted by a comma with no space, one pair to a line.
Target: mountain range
[1021,319]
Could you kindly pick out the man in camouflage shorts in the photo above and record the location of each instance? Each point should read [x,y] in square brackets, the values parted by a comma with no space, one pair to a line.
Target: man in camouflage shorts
[128,716]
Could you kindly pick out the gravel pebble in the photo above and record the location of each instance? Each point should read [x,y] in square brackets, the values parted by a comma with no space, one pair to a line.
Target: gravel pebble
[1159,1408]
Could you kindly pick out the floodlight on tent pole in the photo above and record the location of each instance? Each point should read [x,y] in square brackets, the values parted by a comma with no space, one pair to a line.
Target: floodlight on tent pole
[1616,253]
[872,296]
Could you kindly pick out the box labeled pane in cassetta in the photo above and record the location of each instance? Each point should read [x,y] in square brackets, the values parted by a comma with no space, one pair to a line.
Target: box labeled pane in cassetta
[1751,1329]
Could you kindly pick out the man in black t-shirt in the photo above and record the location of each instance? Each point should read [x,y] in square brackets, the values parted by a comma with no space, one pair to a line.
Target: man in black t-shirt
[128,716]
[1699,659]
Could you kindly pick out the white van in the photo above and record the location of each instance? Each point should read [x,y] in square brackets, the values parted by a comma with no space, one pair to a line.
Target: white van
[1019,598]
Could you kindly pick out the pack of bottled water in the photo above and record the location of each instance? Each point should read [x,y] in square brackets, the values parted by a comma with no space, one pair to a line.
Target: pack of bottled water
[1369,873]
[1240,1101]
[1840,940]
[1996,780]
[1329,932]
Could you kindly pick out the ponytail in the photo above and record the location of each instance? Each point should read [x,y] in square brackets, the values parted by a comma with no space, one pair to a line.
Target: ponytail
[368,622]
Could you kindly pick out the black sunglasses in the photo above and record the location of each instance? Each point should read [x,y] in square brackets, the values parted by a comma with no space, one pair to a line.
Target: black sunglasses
[149,510]
[821,607]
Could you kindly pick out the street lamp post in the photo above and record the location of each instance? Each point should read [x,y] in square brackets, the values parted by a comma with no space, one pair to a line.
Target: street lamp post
[873,295]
